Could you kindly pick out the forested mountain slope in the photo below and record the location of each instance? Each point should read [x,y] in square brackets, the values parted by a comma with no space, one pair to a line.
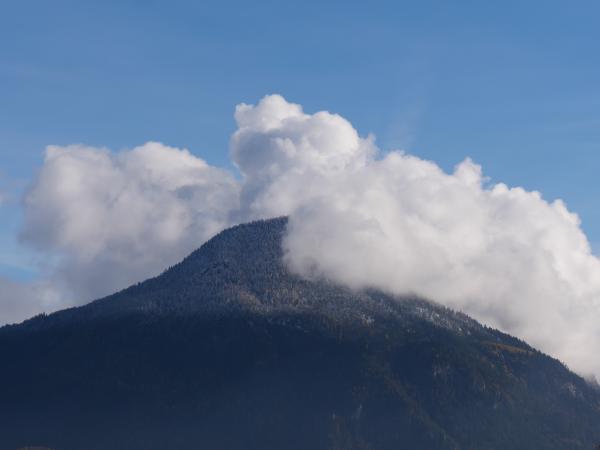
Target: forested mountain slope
[227,350]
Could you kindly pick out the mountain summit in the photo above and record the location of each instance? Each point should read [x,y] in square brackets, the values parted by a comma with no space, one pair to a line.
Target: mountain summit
[228,350]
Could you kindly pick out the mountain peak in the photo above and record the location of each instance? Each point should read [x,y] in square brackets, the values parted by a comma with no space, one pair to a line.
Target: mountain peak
[227,349]
[241,270]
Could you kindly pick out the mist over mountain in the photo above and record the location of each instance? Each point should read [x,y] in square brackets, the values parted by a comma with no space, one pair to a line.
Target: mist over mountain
[229,349]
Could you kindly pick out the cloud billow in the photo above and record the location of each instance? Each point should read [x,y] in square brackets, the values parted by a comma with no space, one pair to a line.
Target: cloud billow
[285,156]
[114,219]
[394,222]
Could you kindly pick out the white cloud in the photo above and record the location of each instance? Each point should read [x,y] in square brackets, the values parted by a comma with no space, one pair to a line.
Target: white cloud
[279,149]
[112,219]
[399,223]
[504,255]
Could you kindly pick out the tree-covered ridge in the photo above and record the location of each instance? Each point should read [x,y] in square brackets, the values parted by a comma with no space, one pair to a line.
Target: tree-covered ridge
[229,350]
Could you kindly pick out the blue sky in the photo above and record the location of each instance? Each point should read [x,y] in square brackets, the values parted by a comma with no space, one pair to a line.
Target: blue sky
[514,85]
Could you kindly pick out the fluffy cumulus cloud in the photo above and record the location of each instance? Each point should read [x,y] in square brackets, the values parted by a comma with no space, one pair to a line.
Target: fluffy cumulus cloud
[394,222]
[401,224]
[111,219]
[284,155]
[503,255]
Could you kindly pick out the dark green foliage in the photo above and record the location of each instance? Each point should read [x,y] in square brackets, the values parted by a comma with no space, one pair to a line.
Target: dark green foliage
[229,351]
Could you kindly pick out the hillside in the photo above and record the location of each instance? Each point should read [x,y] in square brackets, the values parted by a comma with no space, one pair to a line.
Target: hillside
[227,350]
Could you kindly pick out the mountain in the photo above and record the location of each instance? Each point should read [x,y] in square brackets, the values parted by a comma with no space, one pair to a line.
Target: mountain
[227,350]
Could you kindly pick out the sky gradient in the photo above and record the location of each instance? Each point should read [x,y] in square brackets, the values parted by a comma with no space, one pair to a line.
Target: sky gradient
[513,85]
